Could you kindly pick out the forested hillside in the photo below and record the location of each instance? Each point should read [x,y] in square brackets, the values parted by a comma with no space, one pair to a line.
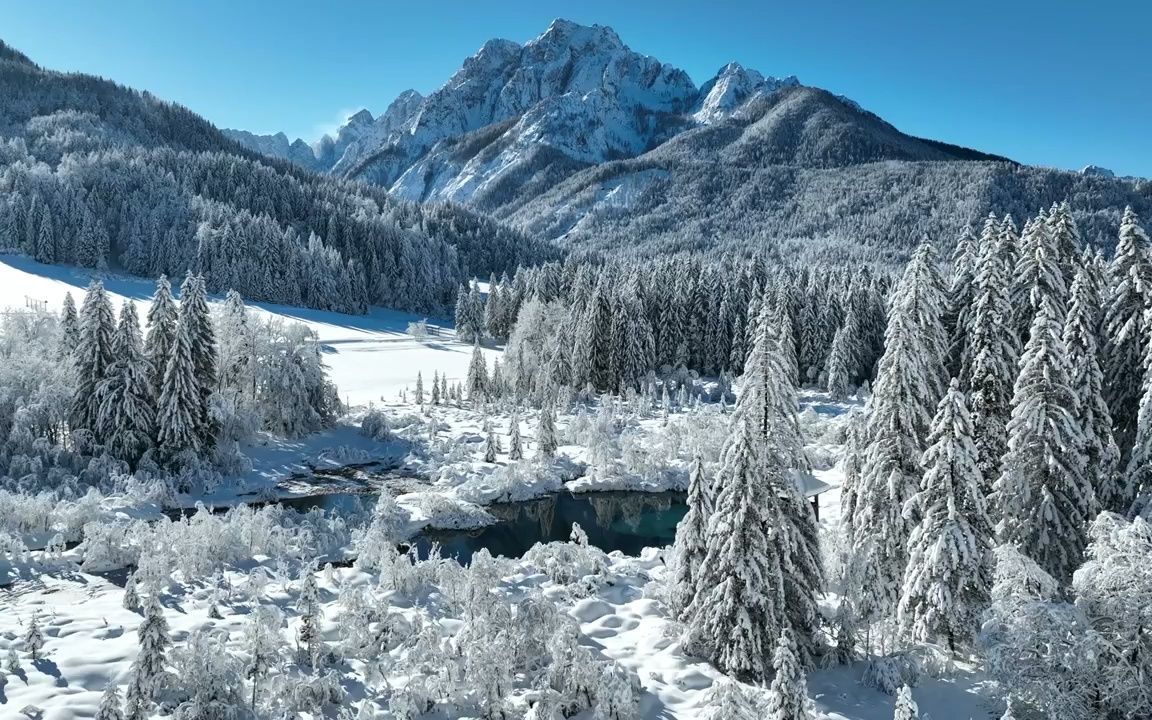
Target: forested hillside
[102,176]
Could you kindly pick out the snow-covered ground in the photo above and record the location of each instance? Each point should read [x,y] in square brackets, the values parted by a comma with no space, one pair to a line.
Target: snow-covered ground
[91,639]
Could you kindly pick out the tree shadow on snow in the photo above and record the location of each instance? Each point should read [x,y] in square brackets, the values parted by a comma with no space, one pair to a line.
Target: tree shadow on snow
[136,288]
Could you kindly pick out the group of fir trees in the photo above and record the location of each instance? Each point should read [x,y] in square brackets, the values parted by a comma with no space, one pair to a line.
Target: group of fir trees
[135,394]
[191,380]
[1000,408]
[605,327]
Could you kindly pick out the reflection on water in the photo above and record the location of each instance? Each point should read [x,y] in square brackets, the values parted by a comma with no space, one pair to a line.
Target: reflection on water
[624,521]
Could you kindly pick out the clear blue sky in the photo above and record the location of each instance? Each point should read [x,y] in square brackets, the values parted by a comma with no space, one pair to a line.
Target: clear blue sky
[1052,83]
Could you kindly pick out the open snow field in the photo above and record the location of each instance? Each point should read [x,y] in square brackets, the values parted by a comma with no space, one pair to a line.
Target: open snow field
[91,639]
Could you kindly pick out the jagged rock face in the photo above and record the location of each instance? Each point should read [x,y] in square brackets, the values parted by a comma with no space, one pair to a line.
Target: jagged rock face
[574,97]
[576,89]
[732,87]
[277,146]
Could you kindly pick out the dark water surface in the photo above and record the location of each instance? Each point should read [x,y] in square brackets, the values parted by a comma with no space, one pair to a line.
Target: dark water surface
[624,521]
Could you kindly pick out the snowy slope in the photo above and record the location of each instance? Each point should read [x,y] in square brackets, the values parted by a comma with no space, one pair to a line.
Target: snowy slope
[369,356]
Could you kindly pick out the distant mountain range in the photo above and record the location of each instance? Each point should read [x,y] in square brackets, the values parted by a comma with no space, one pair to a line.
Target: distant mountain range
[574,137]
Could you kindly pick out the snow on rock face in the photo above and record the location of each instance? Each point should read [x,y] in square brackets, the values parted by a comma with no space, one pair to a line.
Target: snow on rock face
[732,87]
[277,146]
[575,88]
[575,92]
[1097,170]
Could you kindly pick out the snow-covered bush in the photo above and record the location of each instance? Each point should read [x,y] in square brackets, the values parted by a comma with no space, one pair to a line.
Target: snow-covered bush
[1037,645]
[1114,591]
[418,329]
[374,425]
[888,673]
[567,563]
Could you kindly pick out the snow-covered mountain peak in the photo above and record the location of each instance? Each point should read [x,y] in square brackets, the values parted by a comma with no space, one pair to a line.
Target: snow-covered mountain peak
[733,86]
[565,33]
[363,117]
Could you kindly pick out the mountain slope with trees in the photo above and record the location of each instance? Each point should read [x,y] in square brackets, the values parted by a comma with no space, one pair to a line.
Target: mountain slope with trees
[102,176]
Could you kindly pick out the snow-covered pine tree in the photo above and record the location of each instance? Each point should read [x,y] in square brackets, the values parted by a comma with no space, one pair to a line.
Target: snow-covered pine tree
[477,377]
[309,643]
[636,346]
[797,540]
[908,387]
[435,399]
[127,418]
[906,708]
[496,385]
[110,707]
[69,327]
[195,315]
[691,543]
[788,695]
[152,655]
[179,413]
[737,612]
[839,370]
[1101,455]
[515,451]
[93,356]
[1137,475]
[162,318]
[238,373]
[1065,239]
[137,696]
[949,572]
[476,311]
[34,637]
[1124,332]
[993,349]
[761,569]
[546,433]
[131,599]
[490,446]
[961,292]
[262,643]
[419,399]
[1043,493]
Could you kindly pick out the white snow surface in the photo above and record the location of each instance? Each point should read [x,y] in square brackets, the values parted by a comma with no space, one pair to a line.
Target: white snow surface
[91,639]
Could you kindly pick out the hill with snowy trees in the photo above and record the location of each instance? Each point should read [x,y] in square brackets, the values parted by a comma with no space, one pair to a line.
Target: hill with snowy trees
[573,136]
[101,176]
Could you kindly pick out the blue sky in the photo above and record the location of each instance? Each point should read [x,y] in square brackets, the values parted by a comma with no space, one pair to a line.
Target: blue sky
[1059,83]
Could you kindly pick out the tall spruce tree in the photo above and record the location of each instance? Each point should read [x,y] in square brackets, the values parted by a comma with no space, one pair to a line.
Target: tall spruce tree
[908,387]
[993,352]
[1137,477]
[691,543]
[546,434]
[195,315]
[1101,454]
[477,376]
[179,413]
[1124,331]
[127,412]
[162,317]
[949,572]
[1043,493]
[961,292]
[93,356]
[69,327]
